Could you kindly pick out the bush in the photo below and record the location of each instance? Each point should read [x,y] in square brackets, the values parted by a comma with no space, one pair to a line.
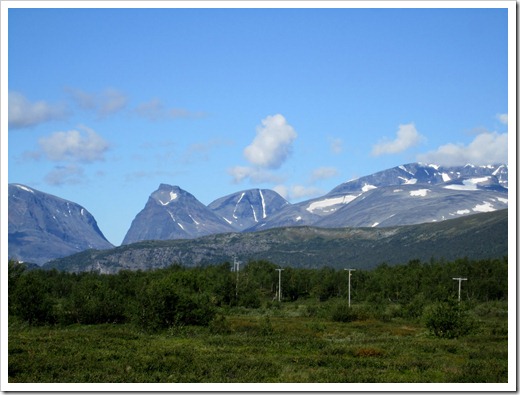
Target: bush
[448,319]
[160,305]
[341,312]
[220,325]
[93,301]
[266,328]
[30,300]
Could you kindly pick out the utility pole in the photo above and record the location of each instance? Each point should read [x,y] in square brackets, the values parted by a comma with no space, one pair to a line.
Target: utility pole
[460,279]
[349,275]
[236,268]
[279,284]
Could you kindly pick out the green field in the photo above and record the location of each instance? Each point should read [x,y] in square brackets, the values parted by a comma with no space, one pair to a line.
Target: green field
[305,340]
[257,345]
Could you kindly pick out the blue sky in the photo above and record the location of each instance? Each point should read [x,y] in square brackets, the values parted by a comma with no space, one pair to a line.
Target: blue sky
[106,104]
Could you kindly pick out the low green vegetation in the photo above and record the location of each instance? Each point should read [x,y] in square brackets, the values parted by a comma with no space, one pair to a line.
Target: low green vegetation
[405,324]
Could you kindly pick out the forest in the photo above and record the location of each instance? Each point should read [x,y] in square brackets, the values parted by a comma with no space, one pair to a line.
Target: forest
[417,302]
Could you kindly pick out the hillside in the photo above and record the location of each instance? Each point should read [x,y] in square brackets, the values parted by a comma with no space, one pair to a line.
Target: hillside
[477,236]
[44,227]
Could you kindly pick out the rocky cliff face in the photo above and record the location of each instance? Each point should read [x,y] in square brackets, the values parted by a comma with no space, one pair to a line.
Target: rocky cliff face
[43,227]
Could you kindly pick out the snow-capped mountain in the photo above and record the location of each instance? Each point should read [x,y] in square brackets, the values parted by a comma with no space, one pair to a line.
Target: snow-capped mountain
[407,194]
[245,209]
[173,213]
[43,227]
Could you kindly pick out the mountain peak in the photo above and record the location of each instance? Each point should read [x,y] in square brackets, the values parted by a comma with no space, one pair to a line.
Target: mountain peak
[43,227]
[173,213]
[247,208]
[167,194]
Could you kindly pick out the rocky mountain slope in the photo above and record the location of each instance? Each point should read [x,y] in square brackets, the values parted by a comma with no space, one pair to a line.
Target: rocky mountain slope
[408,194]
[245,209]
[173,213]
[42,227]
[478,236]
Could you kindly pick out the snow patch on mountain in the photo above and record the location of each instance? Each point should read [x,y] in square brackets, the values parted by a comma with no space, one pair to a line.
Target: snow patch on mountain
[485,207]
[419,192]
[172,195]
[469,184]
[264,215]
[368,187]
[23,187]
[322,205]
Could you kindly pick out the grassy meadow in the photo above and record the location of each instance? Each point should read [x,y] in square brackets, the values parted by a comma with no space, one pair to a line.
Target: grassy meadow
[177,325]
[286,344]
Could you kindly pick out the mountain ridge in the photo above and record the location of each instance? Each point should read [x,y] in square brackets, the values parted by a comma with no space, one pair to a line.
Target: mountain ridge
[478,236]
[406,194]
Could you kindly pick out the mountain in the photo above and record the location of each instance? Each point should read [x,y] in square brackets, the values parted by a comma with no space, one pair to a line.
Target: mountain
[245,209]
[42,227]
[479,236]
[173,213]
[407,194]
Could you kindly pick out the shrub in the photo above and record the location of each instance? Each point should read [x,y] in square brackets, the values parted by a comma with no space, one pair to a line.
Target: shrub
[160,305]
[93,301]
[341,312]
[448,319]
[266,328]
[219,325]
[31,301]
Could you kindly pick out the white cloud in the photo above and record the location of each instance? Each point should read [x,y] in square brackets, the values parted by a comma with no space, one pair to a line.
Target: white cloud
[155,110]
[502,118]
[407,136]
[70,174]
[323,173]
[111,101]
[255,174]
[103,103]
[74,145]
[486,148]
[272,144]
[297,192]
[22,113]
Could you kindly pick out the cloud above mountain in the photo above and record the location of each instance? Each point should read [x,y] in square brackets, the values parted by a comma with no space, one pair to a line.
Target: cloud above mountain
[272,144]
[270,148]
[297,192]
[486,148]
[104,103]
[407,137]
[83,145]
[24,113]
[323,173]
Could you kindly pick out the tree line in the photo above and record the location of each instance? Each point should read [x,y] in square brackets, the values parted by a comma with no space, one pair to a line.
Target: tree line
[177,295]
